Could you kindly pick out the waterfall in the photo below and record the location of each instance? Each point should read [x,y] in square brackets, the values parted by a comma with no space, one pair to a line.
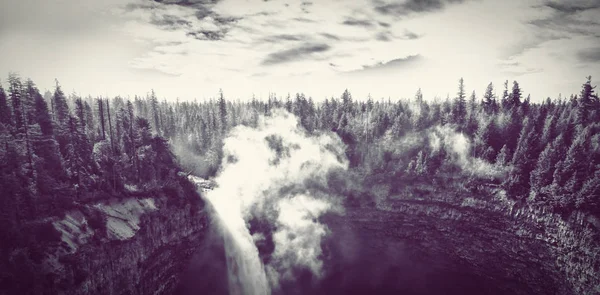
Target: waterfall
[259,166]
[245,269]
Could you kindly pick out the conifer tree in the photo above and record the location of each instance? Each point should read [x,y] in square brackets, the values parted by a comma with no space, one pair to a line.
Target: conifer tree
[102,131]
[459,111]
[586,102]
[489,100]
[222,112]
[42,115]
[5,111]
[15,93]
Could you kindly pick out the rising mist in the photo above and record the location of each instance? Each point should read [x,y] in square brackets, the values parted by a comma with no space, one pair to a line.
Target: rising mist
[276,173]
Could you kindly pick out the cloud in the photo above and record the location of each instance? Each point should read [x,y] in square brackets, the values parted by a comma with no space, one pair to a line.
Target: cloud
[394,64]
[60,18]
[285,37]
[196,18]
[331,36]
[154,72]
[404,8]
[358,22]
[558,23]
[178,38]
[570,7]
[458,147]
[516,69]
[170,22]
[565,19]
[411,35]
[384,36]
[298,53]
[389,36]
[207,35]
[590,55]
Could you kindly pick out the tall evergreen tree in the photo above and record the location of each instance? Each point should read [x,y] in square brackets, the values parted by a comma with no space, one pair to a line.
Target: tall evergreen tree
[110,129]
[5,111]
[222,112]
[15,91]
[489,100]
[155,112]
[61,108]
[101,118]
[506,103]
[42,115]
[515,96]
[459,111]
[586,103]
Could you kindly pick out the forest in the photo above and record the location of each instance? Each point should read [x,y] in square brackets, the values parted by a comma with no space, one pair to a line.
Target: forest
[59,150]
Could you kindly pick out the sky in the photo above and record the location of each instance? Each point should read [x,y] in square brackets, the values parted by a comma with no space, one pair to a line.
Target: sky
[189,49]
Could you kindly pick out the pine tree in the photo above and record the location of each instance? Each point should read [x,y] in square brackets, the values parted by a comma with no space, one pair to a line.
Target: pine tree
[155,112]
[523,160]
[80,113]
[5,111]
[418,97]
[489,100]
[222,112]
[101,118]
[506,104]
[347,105]
[61,108]
[30,92]
[110,129]
[42,116]
[542,175]
[515,96]
[15,93]
[587,198]
[586,102]
[459,111]
[132,136]
[575,164]
[486,138]
[89,121]
[471,124]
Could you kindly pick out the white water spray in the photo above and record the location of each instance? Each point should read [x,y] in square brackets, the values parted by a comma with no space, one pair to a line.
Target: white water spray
[258,165]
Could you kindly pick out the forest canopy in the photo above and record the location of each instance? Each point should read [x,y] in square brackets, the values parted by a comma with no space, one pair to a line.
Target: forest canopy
[57,150]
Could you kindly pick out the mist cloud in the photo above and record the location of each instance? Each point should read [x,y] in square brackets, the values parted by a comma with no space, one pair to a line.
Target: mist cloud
[458,147]
[278,173]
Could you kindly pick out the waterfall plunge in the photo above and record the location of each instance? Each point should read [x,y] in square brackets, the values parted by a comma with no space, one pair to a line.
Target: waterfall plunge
[258,164]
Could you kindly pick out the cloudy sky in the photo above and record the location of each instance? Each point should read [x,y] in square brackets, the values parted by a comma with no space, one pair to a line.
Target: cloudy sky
[189,49]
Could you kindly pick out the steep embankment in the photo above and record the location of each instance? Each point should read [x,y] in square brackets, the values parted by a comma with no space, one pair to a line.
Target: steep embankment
[136,244]
[460,242]
[452,240]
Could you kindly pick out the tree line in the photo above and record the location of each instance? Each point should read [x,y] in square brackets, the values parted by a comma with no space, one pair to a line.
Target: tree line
[57,149]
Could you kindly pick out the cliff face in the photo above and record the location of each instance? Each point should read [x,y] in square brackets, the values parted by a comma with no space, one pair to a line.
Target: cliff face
[445,242]
[450,241]
[484,244]
[126,246]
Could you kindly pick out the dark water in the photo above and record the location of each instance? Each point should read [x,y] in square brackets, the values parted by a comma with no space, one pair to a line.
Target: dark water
[352,265]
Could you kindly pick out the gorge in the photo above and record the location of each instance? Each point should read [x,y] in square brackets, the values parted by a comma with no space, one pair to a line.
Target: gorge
[285,197]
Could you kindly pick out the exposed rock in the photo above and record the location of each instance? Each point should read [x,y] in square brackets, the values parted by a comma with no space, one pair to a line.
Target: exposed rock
[138,246]
[506,248]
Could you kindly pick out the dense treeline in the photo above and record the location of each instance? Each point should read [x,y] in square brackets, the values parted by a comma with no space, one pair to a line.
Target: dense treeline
[544,153]
[60,153]
[56,150]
